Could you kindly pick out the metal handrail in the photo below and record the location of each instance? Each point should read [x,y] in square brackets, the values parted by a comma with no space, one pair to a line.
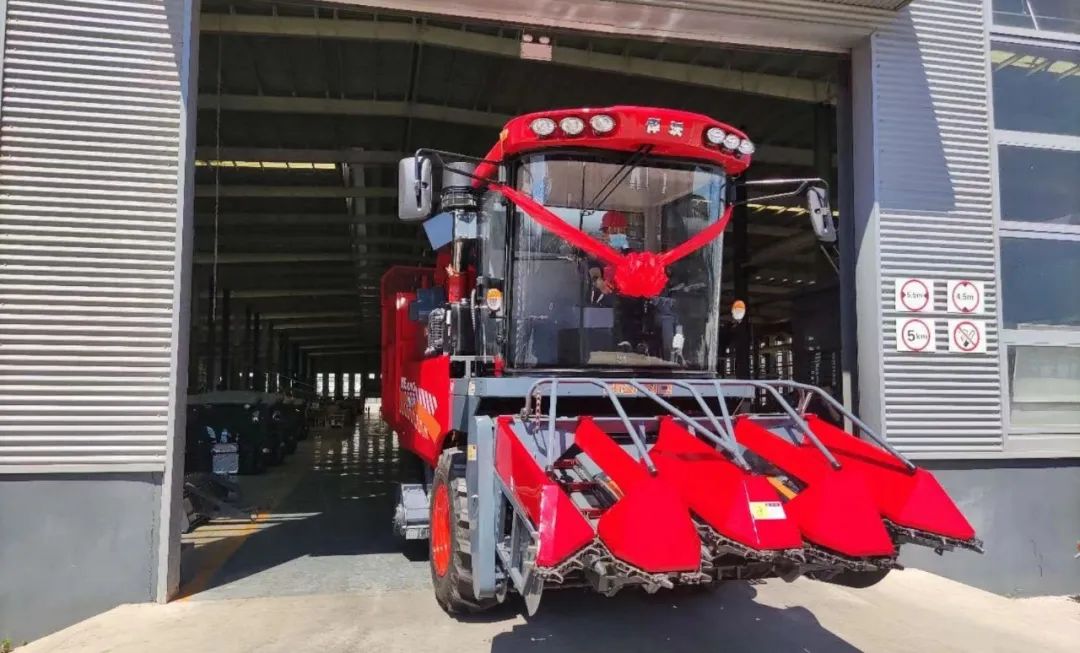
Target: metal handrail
[791,412]
[729,444]
[639,444]
[829,399]
[724,435]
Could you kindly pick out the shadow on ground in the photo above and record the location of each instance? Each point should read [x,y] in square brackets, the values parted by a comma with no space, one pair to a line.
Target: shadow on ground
[702,621]
[334,498]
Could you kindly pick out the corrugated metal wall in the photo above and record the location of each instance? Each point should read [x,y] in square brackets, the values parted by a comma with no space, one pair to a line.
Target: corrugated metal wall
[935,201]
[89,146]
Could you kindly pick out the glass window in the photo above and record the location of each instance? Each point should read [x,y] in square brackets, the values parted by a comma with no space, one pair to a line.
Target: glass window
[1039,185]
[565,307]
[1036,89]
[1050,15]
[1040,281]
[493,230]
[1044,386]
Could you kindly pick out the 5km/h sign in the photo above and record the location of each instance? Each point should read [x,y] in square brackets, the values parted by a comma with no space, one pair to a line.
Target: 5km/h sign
[914,295]
[967,336]
[915,334]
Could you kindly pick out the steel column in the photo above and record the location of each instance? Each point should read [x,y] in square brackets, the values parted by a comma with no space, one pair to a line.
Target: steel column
[256,362]
[226,378]
[246,366]
[741,335]
[210,382]
[845,192]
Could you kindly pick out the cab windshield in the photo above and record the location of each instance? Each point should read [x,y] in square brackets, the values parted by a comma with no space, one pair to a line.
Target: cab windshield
[566,312]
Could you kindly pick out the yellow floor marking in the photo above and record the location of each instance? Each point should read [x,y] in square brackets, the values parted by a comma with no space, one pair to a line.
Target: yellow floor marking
[230,538]
[219,553]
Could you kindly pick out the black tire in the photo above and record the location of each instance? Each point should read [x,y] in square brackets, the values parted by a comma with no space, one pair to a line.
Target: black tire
[454,588]
[858,579]
[276,455]
[290,447]
[252,461]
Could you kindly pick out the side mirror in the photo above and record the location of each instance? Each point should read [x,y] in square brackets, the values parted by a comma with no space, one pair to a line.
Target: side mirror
[414,189]
[821,217]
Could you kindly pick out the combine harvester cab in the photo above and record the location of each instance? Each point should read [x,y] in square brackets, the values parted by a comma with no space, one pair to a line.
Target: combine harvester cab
[557,379]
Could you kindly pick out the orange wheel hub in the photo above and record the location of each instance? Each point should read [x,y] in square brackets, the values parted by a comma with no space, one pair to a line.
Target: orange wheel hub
[440,530]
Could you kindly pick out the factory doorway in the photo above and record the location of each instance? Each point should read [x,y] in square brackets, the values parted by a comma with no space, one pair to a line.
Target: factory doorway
[303,113]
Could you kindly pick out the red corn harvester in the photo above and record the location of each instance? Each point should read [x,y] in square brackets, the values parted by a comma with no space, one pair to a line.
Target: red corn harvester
[555,372]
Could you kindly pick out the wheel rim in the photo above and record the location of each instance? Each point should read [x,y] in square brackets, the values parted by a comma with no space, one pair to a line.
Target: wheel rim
[440,531]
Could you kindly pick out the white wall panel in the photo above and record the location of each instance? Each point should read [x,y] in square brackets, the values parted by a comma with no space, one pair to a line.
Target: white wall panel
[89,145]
[934,201]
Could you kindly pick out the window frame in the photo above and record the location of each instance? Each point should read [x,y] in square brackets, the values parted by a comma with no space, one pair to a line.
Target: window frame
[1034,34]
[1033,141]
[1029,441]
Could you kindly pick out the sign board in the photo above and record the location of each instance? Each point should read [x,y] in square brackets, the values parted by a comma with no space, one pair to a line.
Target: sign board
[915,334]
[965,297]
[914,295]
[967,336]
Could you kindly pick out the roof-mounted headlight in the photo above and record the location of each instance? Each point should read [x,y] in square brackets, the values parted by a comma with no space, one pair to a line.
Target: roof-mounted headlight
[572,125]
[542,126]
[602,123]
[714,135]
[746,147]
[731,141]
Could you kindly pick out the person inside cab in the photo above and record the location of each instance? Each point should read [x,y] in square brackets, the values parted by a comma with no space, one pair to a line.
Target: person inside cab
[629,311]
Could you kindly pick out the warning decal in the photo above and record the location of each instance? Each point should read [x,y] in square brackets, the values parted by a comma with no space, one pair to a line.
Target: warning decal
[763,510]
[915,334]
[967,336]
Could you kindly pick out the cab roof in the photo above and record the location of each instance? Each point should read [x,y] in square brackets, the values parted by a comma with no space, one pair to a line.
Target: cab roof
[666,132]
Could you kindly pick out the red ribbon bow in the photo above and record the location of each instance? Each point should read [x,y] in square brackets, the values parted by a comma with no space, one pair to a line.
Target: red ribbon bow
[637,274]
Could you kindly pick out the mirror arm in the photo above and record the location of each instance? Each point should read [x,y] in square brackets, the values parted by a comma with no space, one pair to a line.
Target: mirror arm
[806,181]
[775,196]
[437,155]
[803,185]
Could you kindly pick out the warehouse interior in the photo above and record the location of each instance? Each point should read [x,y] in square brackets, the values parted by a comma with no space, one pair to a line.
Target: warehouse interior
[303,112]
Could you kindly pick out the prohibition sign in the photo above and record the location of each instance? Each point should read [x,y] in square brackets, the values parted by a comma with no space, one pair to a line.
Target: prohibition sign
[966,297]
[965,336]
[915,331]
[914,286]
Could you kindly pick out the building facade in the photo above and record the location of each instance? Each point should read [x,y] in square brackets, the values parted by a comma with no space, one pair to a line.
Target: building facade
[959,154]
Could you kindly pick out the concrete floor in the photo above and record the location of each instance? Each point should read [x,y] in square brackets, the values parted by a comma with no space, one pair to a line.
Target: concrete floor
[909,612]
[319,570]
[323,526]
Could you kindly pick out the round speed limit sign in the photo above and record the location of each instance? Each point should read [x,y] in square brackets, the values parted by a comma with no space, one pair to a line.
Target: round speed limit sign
[915,335]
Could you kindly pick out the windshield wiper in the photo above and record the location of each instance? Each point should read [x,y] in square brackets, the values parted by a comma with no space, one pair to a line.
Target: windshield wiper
[611,184]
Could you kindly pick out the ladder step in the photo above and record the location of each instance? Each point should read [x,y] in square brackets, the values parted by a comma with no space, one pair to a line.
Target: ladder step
[579,486]
[565,463]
